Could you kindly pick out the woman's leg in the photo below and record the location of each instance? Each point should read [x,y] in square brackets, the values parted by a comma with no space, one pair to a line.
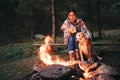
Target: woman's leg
[71,47]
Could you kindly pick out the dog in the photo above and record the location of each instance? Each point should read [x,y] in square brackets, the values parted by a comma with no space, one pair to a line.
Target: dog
[85,46]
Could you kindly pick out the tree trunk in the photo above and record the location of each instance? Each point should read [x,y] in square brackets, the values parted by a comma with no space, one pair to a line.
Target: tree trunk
[90,17]
[99,20]
[53,20]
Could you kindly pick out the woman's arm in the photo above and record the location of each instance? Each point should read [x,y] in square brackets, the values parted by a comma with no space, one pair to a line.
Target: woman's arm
[65,25]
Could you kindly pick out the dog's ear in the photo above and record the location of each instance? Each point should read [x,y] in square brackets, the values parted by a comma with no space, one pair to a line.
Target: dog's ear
[83,35]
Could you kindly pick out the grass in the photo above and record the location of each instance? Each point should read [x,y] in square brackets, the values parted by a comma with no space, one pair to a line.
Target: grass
[14,60]
[13,70]
[14,52]
[17,60]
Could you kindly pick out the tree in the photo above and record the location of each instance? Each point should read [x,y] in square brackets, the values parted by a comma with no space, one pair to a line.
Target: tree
[53,20]
[90,17]
[99,19]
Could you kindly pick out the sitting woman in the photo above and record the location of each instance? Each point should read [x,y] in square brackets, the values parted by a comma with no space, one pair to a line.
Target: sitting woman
[70,27]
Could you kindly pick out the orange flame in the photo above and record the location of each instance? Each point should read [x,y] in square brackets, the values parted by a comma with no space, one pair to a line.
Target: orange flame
[47,57]
[88,74]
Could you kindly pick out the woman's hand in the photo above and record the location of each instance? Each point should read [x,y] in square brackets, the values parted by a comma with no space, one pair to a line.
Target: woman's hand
[72,30]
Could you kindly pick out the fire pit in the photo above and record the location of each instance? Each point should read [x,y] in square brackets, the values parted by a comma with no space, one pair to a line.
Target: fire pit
[53,67]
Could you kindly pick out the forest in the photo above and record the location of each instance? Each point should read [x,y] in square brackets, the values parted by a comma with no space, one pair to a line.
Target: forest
[22,19]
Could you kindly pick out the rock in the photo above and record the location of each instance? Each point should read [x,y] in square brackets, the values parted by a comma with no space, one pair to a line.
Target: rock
[39,36]
[104,77]
[106,69]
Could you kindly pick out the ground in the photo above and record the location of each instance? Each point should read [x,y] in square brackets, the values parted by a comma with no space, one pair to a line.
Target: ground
[17,60]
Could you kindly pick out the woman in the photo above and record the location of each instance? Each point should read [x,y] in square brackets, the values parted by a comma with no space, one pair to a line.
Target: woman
[70,27]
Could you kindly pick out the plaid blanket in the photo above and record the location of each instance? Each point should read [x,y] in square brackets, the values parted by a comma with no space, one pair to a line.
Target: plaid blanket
[79,25]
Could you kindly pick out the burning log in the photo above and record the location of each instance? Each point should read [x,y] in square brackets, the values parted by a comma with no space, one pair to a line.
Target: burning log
[55,71]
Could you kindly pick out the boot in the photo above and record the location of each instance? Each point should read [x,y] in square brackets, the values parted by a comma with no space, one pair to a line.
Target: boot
[77,54]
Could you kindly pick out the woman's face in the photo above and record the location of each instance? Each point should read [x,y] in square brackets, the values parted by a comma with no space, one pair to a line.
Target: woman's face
[72,16]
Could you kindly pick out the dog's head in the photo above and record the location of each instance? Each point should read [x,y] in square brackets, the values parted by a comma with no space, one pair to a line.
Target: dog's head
[80,36]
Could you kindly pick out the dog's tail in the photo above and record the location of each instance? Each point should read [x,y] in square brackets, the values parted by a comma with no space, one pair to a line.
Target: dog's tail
[95,53]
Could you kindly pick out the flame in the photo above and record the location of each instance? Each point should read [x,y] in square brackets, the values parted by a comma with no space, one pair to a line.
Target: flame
[46,54]
[86,67]
[89,74]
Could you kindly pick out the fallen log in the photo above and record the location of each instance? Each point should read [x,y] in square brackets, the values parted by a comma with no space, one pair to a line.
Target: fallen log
[55,71]
[94,44]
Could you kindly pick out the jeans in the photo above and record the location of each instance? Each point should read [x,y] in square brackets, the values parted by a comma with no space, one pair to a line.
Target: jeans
[72,43]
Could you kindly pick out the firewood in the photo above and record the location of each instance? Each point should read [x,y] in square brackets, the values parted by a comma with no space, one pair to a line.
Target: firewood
[55,71]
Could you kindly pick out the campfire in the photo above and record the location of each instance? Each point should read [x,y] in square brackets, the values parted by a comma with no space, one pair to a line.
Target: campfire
[52,67]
